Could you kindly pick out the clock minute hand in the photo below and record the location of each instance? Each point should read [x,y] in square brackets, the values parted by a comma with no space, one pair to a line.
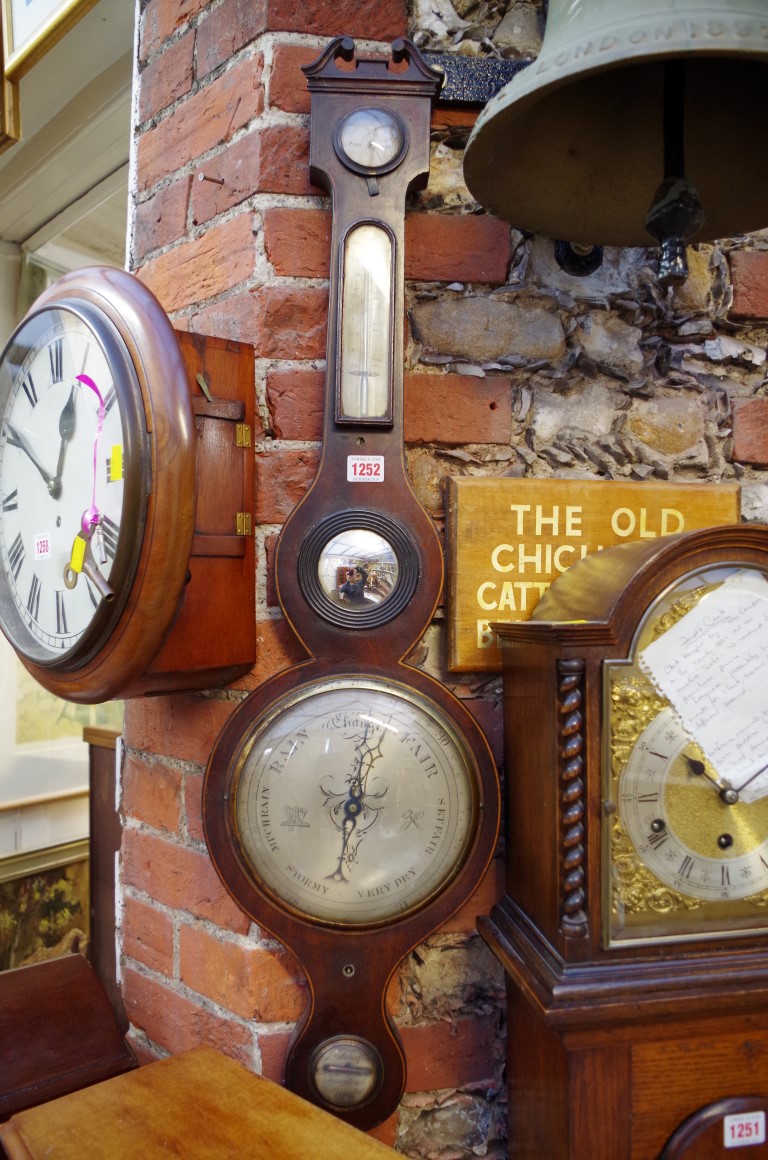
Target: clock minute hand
[16,439]
[753,777]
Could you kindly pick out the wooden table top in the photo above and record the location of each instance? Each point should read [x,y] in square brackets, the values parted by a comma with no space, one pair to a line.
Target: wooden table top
[199,1104]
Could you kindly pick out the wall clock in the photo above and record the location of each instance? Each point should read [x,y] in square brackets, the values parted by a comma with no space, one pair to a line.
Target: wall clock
[634,929]
[102,448]
[351,803]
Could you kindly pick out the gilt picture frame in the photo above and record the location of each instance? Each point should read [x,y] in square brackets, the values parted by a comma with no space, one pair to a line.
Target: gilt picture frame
[32,27]
[10,119]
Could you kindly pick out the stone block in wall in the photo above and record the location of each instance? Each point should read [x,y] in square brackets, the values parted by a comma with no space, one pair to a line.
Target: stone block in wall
[669,426]
[459,1124]
[483,329]
[607,339]
[695,293]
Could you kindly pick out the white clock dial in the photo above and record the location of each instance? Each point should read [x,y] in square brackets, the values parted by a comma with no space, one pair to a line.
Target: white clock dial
[354,801]
[371,139]
[62,484]
[695,836]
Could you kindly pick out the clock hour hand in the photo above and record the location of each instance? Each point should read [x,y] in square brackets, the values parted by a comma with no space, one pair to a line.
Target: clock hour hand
[726,791]
[16,439]
[66,431]
[698,769]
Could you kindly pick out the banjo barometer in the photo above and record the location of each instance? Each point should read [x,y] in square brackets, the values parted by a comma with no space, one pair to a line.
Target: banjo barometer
[351,803]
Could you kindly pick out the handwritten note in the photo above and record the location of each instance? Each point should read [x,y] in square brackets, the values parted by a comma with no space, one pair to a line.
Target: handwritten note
[713,668]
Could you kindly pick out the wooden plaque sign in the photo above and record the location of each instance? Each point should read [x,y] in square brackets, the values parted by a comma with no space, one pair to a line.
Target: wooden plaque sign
[508,539]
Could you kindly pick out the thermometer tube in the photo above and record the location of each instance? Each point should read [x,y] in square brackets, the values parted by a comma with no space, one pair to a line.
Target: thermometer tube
[365,375]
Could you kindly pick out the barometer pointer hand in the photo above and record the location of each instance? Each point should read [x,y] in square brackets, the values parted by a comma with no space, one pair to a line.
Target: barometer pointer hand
[352,808]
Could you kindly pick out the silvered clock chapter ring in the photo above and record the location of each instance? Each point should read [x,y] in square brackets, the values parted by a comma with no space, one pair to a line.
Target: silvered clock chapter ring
[353,801]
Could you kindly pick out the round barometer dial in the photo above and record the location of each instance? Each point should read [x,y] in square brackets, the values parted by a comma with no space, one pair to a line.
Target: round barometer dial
[371,140]
[353,801]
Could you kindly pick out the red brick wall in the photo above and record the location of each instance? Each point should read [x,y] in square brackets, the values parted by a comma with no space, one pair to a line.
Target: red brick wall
[221,95]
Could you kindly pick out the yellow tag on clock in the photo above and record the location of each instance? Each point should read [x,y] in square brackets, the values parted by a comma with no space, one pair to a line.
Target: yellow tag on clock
[116,463]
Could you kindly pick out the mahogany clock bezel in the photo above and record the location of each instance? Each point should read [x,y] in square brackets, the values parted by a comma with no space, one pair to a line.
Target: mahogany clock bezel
[165,468]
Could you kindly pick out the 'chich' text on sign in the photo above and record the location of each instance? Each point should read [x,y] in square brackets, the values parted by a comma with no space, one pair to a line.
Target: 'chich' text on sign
[508,539]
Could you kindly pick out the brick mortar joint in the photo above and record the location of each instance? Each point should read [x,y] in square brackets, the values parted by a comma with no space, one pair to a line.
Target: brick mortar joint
[197,999]
[199,85]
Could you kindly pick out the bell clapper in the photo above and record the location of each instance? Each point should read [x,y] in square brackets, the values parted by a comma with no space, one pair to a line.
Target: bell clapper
[676,213]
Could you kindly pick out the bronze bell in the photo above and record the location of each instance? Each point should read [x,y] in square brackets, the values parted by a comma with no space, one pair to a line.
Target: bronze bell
[637,117]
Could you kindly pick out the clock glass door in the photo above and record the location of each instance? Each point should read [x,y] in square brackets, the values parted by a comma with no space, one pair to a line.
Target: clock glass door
[686,772]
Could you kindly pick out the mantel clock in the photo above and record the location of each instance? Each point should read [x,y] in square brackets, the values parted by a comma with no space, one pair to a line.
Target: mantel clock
[351,803]
[634,927]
